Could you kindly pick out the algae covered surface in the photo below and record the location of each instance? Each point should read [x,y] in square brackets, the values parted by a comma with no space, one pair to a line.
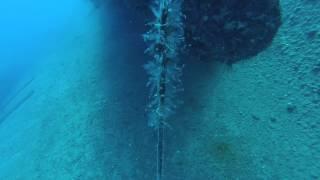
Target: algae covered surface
[77,111]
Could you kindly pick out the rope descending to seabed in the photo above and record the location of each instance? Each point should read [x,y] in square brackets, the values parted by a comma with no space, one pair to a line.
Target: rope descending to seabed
[165,37]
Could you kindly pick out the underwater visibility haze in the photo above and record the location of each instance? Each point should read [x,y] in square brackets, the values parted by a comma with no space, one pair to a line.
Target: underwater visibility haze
[160,89]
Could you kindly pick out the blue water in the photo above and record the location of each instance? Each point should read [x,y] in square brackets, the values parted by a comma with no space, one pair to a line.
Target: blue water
[28,29]
[74,100]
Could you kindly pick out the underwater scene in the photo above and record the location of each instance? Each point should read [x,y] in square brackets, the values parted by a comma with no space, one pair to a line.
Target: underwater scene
[160,90]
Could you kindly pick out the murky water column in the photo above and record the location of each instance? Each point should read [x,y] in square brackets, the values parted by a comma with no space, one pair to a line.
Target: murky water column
[60,122]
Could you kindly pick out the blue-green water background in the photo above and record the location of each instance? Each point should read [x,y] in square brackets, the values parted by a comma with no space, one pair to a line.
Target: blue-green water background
[73,96]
